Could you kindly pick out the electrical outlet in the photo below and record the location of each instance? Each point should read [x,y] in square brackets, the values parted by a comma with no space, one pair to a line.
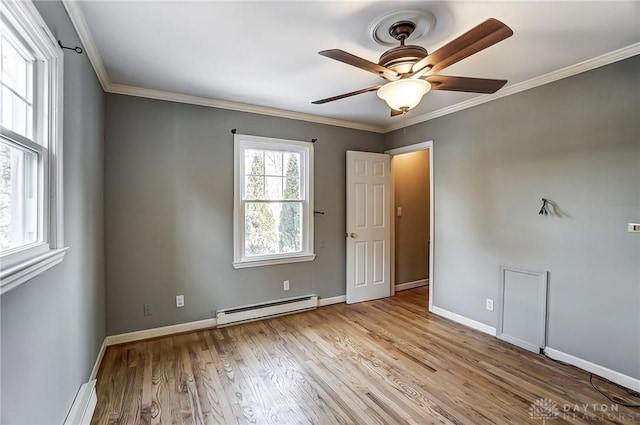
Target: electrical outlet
[489,304]
[179,300]
[147,309]
[286,285]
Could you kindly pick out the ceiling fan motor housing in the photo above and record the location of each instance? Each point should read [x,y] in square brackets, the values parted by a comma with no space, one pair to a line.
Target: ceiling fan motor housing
[402,58]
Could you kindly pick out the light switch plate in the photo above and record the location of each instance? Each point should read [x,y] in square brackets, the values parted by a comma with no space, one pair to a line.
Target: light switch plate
[634,228]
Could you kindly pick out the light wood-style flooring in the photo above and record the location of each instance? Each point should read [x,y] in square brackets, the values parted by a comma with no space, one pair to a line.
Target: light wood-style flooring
[382,362]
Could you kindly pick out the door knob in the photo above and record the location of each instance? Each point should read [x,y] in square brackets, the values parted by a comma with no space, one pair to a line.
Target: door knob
[353,235]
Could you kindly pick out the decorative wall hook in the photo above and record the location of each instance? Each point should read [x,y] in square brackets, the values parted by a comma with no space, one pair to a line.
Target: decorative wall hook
[76,49]
[544,210]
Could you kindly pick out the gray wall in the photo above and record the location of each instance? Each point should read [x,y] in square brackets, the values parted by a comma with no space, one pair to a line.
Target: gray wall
[54,325]
[577,142]
[169,204]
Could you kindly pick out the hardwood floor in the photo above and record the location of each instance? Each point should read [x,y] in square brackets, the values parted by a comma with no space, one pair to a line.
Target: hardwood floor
[382,362]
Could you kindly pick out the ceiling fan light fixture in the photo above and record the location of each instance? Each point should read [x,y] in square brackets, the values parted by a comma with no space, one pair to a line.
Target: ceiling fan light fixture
[403,95]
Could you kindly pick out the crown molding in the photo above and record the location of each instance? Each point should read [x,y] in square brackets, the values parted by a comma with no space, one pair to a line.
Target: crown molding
[236,106]
[598,61]
[82,29]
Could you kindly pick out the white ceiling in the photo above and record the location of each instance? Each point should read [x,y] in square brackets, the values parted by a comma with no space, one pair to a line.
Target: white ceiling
[264,53]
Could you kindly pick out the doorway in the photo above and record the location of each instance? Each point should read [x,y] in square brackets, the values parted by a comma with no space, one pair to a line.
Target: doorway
[413,217]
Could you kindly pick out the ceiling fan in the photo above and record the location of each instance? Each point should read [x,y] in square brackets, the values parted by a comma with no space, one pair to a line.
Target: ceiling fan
[411,71]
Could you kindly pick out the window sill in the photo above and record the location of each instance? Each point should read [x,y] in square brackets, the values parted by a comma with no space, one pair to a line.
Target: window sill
[15,276]
[272,261]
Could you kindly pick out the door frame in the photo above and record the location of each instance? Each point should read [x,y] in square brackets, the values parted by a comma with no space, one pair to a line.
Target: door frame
[428,145]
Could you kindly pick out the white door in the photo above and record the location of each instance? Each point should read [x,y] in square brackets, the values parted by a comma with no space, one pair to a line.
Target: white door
[368,226]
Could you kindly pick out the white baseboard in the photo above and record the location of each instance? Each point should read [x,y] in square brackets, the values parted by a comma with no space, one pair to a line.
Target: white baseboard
[613,376]
[83,405]
[96,365]
[156,332]
[464,320]
[411,285]
[333,300]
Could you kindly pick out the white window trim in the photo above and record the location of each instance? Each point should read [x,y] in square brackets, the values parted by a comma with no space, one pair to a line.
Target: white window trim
[21,265]
[241,142]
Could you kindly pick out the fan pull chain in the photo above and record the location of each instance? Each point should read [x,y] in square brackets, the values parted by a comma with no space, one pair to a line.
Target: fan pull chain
[404,123]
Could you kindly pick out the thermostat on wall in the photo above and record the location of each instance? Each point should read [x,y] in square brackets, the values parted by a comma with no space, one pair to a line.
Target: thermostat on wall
[634,228]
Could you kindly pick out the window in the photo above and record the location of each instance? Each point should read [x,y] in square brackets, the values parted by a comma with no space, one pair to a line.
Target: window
[30,146]
[273,206]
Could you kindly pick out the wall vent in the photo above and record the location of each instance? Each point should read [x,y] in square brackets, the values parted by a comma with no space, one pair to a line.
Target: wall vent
[248,313]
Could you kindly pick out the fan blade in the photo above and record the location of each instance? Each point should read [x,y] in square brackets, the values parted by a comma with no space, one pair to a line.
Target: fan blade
[479,38]
[342,96]
[358,62]
[395,113]
[471,85]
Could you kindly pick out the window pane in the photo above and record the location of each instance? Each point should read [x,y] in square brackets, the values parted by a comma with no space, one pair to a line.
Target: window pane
[18,196]
[292,162]
[261,229]
[15,69]
[289,227]
[16,113]
[273,188]
[292,182]
[254,188]
[253,162]
[273,163]
[291,189]
[273,228]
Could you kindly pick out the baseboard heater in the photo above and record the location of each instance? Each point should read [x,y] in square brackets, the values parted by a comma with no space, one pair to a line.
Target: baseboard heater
[248,313]
[83,406]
